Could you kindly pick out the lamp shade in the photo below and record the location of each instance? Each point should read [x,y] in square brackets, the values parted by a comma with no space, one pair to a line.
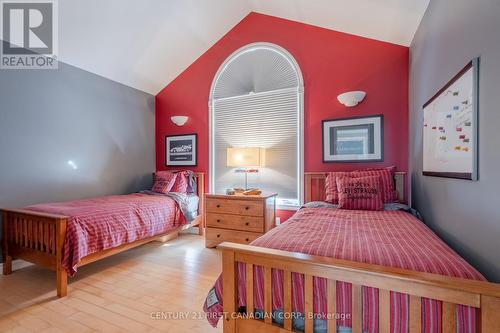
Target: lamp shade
[245,157]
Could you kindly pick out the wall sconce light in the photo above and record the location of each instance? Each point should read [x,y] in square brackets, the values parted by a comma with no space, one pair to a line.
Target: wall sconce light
[351,98]
[179,120]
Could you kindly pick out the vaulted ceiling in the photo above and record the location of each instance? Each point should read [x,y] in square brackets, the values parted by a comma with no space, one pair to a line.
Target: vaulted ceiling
[146,44]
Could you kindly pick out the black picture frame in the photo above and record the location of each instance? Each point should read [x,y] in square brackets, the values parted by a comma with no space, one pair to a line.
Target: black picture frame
[355,121]
[181,150]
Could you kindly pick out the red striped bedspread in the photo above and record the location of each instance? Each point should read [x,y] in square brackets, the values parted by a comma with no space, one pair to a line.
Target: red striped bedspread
[103,223]
[389,238]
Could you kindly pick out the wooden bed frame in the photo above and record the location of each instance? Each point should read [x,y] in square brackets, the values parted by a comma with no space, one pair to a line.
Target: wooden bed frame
[38,238]
[451,291]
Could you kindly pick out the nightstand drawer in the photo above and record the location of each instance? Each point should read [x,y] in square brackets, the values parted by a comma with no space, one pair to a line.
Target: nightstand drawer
[238,207]
[236,222]
[215,236]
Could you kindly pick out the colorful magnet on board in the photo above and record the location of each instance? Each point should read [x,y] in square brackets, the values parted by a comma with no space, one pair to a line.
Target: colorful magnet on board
[442,138]
[456,108]
[455,93]
[467,140]
[465,148]
[465,102]
[433,127]
[459,129]
[468,123]
[461,137]
[448,116]
[425,125]
[441,128]
[458,148]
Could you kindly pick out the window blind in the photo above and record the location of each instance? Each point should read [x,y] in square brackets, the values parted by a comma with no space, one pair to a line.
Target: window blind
[265,119]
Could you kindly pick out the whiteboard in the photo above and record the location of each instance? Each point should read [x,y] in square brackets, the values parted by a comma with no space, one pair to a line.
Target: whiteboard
[450,128]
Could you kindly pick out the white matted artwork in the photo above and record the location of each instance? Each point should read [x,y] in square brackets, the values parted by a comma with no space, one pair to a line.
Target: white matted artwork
[450,128]
[180,150]
[358,139]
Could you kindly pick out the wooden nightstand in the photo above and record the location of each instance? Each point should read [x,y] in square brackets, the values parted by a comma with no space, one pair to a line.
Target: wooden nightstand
[238,218]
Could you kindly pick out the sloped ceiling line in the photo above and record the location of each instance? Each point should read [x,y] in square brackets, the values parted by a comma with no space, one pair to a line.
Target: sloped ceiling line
[147,44]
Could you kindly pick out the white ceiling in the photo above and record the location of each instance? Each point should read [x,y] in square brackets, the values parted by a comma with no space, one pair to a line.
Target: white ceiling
[146,44]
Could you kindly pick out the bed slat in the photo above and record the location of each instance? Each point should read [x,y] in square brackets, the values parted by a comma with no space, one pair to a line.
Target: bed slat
[30,233]
[415,314]
[35,236]
[229,290]
[357,309]
[384,310]
[45,237]
[308,306]
[25,232]
[14,230]
[51,239]
[21,231]
[287,299]
[268,301]
[249,288]
[449,320]
[331,288]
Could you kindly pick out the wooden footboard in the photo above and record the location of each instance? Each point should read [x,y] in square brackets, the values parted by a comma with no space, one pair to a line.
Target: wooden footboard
[37,238]
[451,291]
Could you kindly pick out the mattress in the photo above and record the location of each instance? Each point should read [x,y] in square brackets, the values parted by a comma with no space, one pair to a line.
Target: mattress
[99,224]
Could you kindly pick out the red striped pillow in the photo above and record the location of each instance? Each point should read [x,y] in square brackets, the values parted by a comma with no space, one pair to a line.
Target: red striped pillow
[164,181]
[362,193]
[388,188]
[331,193]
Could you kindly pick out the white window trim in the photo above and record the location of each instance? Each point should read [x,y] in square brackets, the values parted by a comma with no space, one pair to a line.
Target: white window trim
[300,96]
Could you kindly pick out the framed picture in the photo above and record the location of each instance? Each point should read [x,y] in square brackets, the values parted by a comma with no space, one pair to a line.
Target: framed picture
[450,145]
[181,150]
[357,139]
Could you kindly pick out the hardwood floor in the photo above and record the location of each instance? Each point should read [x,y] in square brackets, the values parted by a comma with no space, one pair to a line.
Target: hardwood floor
[123,293]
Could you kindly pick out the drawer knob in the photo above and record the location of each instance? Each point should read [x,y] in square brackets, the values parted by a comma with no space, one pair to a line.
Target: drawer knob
[218,220]
[218,206]
[247,223]
[247,208]
[218,236]
[247,239]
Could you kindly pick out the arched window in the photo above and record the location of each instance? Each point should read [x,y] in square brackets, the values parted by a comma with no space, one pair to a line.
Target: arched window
[256,100]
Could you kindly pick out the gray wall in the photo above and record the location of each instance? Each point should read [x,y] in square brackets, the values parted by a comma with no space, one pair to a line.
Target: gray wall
[465,214]
[49,117]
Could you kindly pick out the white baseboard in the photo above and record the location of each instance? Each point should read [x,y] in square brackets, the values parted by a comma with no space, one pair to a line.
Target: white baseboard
[17,264]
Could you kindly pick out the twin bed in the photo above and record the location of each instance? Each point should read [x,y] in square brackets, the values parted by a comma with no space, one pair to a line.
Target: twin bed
[64,236]
[336,270]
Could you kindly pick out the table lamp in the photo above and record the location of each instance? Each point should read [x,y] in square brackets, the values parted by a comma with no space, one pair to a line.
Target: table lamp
[246,159]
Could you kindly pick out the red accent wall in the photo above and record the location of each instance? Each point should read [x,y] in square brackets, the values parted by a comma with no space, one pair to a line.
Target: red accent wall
[331,63]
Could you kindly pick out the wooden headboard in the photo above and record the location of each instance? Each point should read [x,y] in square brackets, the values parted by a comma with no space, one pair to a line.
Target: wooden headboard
[315,186]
